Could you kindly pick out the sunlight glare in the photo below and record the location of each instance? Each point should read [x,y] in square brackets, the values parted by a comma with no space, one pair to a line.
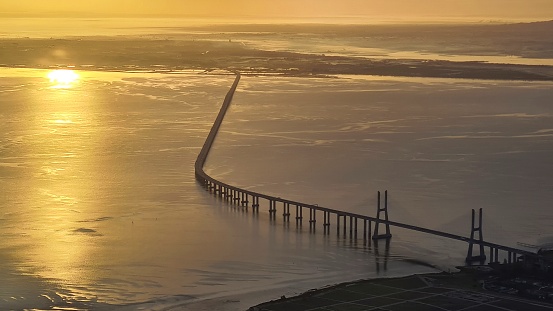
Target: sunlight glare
[63,78]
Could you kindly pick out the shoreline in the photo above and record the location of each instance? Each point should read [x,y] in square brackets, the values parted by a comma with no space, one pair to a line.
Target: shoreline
[186,54]
[404,293]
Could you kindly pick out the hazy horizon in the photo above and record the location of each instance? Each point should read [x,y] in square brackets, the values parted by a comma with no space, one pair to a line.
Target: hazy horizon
[369,9]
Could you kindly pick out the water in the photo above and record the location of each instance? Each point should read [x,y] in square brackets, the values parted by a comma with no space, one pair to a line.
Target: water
[100,208]
[440,146]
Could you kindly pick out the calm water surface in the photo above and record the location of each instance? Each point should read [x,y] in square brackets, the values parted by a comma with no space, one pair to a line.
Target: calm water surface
[441,147]
[99,207]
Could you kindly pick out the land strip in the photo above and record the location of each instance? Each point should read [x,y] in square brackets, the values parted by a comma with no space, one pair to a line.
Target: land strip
[433,292]
[150,54]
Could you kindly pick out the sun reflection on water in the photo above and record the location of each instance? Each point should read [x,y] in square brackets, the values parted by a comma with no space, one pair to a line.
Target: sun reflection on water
[63,78]
[57,197]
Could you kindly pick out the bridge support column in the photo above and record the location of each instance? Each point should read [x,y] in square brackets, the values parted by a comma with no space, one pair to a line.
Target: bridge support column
[286,212]
[364,229]
[380,209]
[481,257]
[245,199]
[326,222]
[355,230]
[255,204]
[237,195]
[299,213]
[312,216]
[272,208]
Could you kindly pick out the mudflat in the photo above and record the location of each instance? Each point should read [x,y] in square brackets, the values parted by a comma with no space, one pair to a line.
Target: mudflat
[499,52]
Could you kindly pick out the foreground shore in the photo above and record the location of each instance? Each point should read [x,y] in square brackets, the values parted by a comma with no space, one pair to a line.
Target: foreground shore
[440,291]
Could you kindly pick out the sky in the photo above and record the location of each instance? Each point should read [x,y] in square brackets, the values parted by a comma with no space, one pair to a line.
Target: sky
[415,9]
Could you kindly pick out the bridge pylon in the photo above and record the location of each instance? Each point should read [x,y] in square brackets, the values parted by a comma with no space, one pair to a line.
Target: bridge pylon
[481,257]
[383,209]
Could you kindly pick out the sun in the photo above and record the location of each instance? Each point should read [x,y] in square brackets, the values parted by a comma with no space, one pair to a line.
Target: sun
[63,78]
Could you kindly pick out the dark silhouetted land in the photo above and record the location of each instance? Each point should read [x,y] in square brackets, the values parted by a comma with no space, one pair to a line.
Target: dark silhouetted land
[305,50]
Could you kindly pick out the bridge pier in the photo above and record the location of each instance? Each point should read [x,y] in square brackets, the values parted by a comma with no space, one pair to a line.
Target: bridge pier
[350,227]
[237,197]
[364,230]
[272,208]
[227,193]
[286,212]
[255,203]
[338,224]
[312,216]
[344,223]
[326,221]
[380,209]
[355,229]
[481,257]
[367,229]
[299,213]
[244,199]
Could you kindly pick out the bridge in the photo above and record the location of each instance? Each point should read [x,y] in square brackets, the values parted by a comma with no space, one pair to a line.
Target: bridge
[346,223]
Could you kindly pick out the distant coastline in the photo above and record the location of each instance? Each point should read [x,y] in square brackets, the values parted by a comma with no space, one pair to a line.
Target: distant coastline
[467,51]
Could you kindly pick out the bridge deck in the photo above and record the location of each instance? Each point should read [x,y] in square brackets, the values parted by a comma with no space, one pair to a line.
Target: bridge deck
[208,180]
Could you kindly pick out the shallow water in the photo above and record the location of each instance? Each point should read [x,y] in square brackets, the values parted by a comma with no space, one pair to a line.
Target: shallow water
[99,208]
[441,147]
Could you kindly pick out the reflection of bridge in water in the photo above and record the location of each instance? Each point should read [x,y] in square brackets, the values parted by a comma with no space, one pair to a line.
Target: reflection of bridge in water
[345,223]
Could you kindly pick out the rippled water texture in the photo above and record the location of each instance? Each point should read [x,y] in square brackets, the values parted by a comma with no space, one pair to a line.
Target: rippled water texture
[441,148]
[99,207]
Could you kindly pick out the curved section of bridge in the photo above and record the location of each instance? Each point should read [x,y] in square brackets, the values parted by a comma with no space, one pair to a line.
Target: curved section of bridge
[346,223]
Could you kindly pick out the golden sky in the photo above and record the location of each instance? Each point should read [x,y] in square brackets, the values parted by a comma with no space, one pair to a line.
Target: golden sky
[533,9]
